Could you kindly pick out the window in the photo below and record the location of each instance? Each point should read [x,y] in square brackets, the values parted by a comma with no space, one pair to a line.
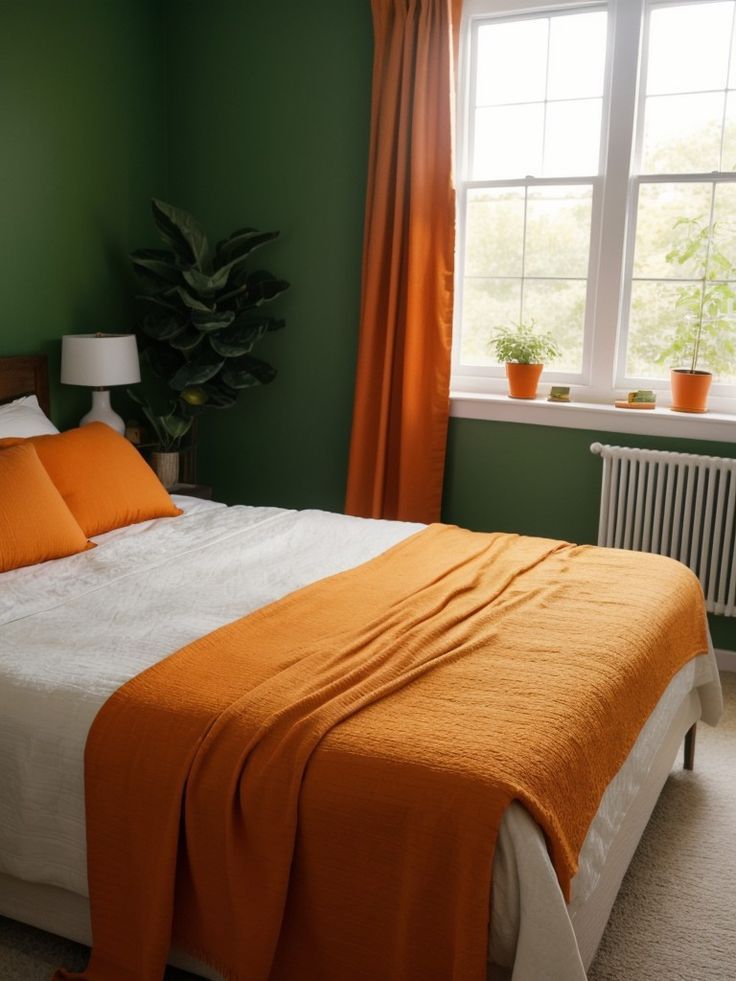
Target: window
[596,188]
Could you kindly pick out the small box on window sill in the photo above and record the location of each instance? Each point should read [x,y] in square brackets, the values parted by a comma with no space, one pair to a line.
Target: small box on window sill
[642,398]
[559,393]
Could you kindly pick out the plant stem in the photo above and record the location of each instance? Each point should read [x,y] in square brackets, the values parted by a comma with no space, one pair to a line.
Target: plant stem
[709,242]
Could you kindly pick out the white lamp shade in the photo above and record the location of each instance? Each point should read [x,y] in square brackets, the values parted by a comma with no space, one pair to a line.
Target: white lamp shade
[99,360]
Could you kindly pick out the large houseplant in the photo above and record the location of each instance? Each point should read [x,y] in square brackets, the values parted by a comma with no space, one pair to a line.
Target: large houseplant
[705,329]
[203,311]
[524,352]
[168,428]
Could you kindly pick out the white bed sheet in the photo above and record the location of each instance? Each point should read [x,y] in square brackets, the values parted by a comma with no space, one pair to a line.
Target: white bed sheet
[73,631]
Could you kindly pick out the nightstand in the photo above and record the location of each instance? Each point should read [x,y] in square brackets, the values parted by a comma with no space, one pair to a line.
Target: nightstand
[193,490]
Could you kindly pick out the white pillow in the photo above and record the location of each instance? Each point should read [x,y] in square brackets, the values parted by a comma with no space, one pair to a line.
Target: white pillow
[24,417]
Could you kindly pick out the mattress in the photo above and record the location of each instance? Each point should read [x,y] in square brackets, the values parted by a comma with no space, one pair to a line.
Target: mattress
[73,631]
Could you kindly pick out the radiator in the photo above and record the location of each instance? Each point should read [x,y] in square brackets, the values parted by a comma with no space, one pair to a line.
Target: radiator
[676,504]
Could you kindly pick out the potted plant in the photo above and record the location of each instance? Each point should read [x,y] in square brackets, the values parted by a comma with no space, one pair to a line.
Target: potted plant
[203,312]
[168,428]
[706,303]
[524,351]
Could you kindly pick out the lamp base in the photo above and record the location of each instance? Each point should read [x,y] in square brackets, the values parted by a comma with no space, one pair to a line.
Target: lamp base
[102,411]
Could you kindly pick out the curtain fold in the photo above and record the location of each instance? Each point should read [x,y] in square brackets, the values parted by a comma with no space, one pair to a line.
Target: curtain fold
[399,433]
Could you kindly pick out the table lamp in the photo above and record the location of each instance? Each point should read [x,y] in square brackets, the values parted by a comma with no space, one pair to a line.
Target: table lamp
[100,361]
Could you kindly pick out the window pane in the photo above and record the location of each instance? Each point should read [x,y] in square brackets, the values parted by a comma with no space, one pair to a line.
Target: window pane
[559,308]
[537,111]
[724,217]
[662,329]
[512,62]
[689,127]
[689,47]
[651,329]
[732,62]
[508,142]
[661,207]
[495,232]
[682,134]
[558,231]
[572,138]
[728,155]
[577,56]
[487,304]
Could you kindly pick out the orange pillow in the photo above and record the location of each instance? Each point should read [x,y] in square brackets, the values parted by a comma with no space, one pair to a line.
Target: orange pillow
[104,480]
[35,523]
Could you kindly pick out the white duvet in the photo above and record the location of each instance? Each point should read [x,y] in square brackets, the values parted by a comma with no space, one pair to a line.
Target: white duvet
[74,630]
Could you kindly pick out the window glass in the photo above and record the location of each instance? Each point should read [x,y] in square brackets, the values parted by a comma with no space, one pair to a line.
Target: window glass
[683,271]
[622,267]
[537,85]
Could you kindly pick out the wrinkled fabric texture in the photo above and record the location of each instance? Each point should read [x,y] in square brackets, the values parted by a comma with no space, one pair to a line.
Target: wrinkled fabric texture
[373,728]
[402,392]
[73,631]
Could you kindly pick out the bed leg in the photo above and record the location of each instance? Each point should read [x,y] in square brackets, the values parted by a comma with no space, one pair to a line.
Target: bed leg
[689,760]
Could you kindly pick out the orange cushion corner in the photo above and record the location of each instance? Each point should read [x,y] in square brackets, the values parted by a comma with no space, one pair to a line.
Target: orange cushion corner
[35,523]
[103,479]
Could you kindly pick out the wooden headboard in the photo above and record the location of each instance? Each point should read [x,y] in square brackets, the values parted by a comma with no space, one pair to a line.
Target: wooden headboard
[25,375]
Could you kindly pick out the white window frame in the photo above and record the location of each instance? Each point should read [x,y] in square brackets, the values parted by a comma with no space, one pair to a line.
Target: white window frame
[615,192]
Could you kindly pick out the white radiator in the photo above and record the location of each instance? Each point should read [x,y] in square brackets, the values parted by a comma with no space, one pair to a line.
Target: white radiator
[676,504]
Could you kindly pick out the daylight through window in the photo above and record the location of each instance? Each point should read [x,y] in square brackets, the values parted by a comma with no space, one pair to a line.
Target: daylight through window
[597,190]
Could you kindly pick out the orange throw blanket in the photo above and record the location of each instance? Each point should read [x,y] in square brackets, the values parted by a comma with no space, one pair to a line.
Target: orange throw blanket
[313,793]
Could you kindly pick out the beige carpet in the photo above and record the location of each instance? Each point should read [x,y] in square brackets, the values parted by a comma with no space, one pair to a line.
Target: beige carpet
[674,920]
[675,917]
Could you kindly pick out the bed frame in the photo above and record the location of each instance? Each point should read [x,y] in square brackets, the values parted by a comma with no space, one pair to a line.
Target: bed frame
[25,375]
[28,375]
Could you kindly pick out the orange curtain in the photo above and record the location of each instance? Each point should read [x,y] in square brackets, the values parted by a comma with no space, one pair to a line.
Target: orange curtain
[397,453]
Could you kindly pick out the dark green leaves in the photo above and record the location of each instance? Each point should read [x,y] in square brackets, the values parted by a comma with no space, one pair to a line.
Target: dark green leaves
[181,232]
[220,395]
[241,243]
[192,301]
[242,335]
[207,321]
[156,265]
[162,328]
[245,372]
[202,283]
[264,285]
[188,340]
[202,315]
[204,365]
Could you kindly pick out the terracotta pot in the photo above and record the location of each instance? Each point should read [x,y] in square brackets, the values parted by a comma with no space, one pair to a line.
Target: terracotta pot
[523,379]
[690,389]
[166,468]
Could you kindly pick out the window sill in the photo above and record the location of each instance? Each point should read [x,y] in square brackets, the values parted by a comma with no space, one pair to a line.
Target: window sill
[717,426]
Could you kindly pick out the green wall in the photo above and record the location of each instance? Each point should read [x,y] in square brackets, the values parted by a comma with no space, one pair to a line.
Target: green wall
[539,480]
[268,107]
[245,113]
[83,149]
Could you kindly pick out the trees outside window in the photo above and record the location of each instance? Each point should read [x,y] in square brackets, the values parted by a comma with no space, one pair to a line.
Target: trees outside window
[597,190]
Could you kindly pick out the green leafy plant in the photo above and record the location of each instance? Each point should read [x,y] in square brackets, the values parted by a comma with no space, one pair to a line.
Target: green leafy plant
[521,343]
[160,409]
[706,327]
[203,313]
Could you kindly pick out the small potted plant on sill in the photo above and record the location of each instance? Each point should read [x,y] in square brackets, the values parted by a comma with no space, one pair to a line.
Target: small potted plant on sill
[524,352]
[706,326]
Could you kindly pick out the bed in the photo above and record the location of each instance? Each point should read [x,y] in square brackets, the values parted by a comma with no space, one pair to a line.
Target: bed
[68,640]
